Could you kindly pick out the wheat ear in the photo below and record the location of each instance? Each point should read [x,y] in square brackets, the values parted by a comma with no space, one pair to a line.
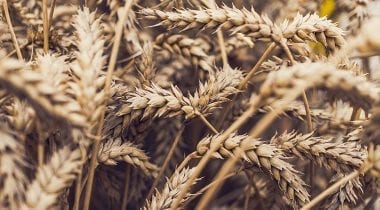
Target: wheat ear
[290,81]
[45,98]
[53,178]
[88,83]
[183,45]
[310,27]
[338,156]
[113,151]
[165,198]
[263,155]
[155,102]
[12,161]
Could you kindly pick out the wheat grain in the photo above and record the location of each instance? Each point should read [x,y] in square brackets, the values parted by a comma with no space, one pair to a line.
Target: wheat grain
[146,66]
[357,11]
[349,192]
[21,116]
[56,100]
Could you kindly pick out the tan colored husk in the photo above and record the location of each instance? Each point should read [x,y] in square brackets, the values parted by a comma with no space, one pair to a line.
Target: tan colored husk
[21,116]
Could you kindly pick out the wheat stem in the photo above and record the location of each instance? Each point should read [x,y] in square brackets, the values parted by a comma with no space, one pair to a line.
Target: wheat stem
[255,188]
[187,160]
[223,52]
[252,72]
[308,116]
[45,25]
[124,202]
[304,96]
[219,179]
[246,79]
[13,35]
[206,122]
[78,190]
[166,161]
[208,186]
[51,13]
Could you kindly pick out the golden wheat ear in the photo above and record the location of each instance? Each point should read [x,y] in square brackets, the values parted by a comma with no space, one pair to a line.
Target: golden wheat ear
[265,156]
[53,178]
[164,199]
[13,163]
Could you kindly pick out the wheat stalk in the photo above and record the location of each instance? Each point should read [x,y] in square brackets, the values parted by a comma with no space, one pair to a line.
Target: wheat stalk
[349,192]
[357,11]
[145,65]
[265,156]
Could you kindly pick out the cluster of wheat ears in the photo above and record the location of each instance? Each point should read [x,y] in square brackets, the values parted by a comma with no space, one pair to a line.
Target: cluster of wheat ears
[196,104]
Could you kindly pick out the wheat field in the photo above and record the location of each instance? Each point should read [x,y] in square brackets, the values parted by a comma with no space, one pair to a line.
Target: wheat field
[190,104]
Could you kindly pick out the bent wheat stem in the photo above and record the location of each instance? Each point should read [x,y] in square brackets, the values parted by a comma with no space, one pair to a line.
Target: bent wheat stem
[219,179]
[206,122]
[166,162]
[245,81]
[124,202]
